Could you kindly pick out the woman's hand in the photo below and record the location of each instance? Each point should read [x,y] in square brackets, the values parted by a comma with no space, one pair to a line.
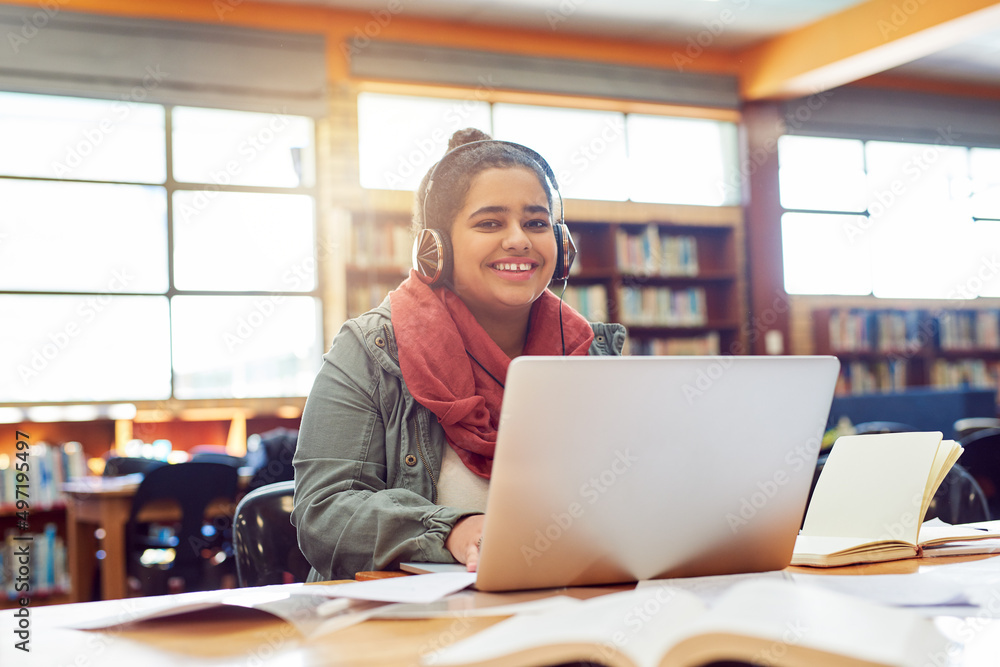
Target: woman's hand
[463,541]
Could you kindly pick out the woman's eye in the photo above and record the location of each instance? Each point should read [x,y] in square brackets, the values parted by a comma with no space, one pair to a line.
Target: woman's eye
[538,223]
[488,224]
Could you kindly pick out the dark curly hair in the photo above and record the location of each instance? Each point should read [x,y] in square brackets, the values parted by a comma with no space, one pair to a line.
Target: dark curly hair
[453,177]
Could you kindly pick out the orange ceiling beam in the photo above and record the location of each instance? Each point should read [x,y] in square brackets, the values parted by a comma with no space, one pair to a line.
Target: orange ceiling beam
[860,41]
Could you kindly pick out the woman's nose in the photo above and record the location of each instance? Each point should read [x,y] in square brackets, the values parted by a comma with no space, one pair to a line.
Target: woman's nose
[515,238]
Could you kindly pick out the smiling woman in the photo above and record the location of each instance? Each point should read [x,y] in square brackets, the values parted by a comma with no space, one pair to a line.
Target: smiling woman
[396,443]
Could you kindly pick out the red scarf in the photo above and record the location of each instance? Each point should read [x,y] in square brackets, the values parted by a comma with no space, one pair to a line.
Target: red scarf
[434,329]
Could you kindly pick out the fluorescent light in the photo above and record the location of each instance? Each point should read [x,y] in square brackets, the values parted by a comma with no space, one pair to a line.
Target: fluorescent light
[11,415]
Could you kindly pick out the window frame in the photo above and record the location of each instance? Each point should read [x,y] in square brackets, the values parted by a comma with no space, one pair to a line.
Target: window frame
[171,186]
[867,215]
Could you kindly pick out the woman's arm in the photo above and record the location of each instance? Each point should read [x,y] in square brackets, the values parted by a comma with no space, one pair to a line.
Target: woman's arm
[352,509]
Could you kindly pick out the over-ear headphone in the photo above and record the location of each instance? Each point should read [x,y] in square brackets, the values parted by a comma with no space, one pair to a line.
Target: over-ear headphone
[432,252]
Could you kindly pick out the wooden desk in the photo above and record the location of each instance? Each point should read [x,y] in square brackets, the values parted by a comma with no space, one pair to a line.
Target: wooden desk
[102,503]
[243,637]
[106,508]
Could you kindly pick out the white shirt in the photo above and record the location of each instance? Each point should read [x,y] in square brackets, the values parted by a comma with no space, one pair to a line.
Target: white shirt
[458,486]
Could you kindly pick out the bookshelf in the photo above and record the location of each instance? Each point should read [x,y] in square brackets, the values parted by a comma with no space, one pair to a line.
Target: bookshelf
[674,275]
[890,349]
[61,450]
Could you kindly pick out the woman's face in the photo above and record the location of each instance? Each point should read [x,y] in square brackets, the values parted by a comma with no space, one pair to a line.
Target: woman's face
[503,243]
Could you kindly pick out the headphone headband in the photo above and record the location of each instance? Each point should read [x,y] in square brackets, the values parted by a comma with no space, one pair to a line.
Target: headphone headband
[532,154]
[431,254]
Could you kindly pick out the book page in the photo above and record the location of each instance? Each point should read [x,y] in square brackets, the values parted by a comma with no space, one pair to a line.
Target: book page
[872,487]
[632,627]
[803,620]
[947,454]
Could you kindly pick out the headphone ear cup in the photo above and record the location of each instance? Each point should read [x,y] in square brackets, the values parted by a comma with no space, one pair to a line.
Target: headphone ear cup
[432,257]
[565,251]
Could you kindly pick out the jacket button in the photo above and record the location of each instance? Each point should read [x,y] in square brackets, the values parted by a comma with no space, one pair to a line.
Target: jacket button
[379,341]
[411,460]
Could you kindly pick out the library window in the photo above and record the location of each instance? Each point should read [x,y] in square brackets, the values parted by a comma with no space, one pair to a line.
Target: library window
[889,219]
[150,252]
[595,154]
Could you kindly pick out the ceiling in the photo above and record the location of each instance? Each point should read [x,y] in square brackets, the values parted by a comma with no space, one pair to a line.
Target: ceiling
[950,40]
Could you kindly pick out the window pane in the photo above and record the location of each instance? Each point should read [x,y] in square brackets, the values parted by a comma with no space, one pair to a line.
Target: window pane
[821,174]
[69,137]
[243,241]
[245,346]
[243,148]
[826,254]
[400,137]
[985,177]
[82,237]
[983,272]
[586,149]
[683,161]
[921,234]
[909,173]
[84,348]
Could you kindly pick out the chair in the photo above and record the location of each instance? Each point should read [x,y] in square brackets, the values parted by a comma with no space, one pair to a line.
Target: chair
[116,466]
[959,499]
[865,428]
[272,459]
[969,425]
[214,457]
[982,459]
[185,510]
[264,539]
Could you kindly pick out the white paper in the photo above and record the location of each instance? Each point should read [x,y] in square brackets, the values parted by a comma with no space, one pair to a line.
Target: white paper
[712,587]
[468,604]
[413,588]
[898,590]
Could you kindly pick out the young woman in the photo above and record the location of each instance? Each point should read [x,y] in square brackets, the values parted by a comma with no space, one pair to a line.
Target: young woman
[396,442]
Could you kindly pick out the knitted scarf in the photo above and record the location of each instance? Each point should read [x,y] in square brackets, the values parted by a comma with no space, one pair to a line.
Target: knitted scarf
[440,342]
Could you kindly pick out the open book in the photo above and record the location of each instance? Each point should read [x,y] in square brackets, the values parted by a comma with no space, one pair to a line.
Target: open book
[765,622]
[871,498]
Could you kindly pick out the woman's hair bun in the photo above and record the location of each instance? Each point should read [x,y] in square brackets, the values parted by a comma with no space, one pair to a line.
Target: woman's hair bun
[468,135]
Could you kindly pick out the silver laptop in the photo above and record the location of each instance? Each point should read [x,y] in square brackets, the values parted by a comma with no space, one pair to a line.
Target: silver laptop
[617,469]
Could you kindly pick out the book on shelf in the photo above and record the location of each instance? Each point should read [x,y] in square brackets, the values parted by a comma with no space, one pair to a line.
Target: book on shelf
[47,567]
[362,298]
[850,331]
[862,330]
[969,330]
[662,306]
[707,345]
[978,373]
[871,498]
[380,245]
[652,251]
[47,468]
[764,622]
[591,301]
[860,377]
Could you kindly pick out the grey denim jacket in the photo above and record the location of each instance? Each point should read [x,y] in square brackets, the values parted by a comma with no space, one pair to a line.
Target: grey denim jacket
[368,457]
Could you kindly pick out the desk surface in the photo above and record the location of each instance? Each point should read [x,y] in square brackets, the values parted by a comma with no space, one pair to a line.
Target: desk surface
[233,637]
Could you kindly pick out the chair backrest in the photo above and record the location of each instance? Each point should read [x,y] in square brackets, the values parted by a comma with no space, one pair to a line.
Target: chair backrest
[959,499]
[264,539]
[217,457]
[193,486]
[274,458]
[981,457]
[117,466]
[969,425]
[865,428]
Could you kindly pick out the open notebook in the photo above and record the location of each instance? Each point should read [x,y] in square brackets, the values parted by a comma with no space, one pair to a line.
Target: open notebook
[615,469]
